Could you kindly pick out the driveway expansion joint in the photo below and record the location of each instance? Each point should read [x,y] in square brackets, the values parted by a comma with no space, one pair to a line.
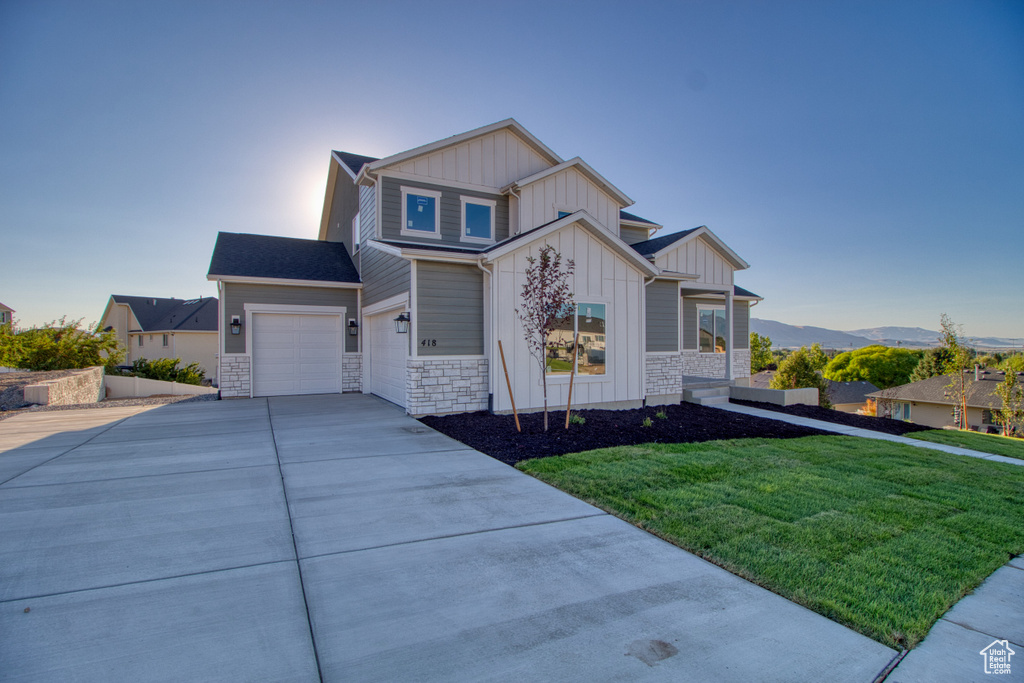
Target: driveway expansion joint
[109,427]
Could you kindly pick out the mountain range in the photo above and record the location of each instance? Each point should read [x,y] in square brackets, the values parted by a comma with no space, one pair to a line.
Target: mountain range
[794,336]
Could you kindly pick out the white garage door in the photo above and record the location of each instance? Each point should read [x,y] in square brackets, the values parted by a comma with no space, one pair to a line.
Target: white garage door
[388,352]
[296,354]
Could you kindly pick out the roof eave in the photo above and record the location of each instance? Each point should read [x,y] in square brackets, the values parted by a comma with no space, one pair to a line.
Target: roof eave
[587,221]
[587,171]
[511,124]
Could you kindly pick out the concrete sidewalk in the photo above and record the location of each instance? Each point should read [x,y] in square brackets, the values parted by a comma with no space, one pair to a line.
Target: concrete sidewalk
[333,538]
[863,433]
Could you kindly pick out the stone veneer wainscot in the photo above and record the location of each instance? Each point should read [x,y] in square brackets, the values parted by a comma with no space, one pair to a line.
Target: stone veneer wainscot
[351,372]
[664,374]
[437,386]
[234,376]
[712,365]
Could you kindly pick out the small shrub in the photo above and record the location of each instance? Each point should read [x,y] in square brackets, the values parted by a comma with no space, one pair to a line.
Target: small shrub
[648,422]
[167,370]
[62,345]
[575,419]
[661,415]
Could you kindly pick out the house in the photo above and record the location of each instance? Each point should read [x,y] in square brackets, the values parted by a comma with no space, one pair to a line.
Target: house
[846,397]
[152,328]
[415,276]
[928,402]
[6,315]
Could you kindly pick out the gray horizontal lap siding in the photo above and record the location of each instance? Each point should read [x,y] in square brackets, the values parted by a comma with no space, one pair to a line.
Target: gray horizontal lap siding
[662,316]
[740,323]
[383,275]
[367,214]
[236,295]
[451,213]
[344,207]
[449,309]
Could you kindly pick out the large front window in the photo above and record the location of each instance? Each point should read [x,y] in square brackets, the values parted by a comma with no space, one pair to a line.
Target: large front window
[711,329]
[590,351]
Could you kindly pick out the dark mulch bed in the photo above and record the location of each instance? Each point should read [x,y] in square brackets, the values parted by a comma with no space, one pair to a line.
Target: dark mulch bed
[875,424]
[496,435]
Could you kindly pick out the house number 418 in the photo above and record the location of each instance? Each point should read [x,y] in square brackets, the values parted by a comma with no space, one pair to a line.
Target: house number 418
[428,342]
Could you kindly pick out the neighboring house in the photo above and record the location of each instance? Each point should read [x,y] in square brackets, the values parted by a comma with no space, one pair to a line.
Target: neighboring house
[927,402]
[153,328]
[6,315]
[847,397]
[435,241]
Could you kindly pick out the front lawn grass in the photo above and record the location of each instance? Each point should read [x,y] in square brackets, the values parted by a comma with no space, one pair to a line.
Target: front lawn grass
[879,536]
[996,444]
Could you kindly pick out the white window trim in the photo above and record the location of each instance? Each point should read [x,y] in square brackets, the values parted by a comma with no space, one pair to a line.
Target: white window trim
[482,202]
[709,307]
[607,376]
[406,191]
[355,234]
[562,207]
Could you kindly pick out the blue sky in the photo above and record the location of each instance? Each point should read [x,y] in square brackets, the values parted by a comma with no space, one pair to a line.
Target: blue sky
[866,158]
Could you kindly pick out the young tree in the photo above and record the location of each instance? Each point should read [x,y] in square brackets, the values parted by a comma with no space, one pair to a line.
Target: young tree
[760,352]
[547,304]
[1011,415]
[798,371]
[960,357]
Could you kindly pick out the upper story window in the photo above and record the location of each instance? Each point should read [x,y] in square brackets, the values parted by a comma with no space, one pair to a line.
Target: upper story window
[140,340]
[711,329]
[421,212]
[165,340]
[478,219]
[563,214]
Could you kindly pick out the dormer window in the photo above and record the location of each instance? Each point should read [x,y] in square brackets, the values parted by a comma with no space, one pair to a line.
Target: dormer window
[478,220]
[421,212]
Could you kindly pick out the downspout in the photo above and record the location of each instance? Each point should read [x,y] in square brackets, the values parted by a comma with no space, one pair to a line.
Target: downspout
[490,336]
[220,329]
[519,207]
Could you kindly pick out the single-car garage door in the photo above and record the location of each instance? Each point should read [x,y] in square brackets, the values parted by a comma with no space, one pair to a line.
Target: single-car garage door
[296,354]
[388,353]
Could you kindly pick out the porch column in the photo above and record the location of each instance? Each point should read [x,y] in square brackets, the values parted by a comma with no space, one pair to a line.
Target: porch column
[729,375]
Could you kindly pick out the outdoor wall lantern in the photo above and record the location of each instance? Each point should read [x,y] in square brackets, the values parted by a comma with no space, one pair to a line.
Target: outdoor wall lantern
[236,324]
[353,327]
[402,323]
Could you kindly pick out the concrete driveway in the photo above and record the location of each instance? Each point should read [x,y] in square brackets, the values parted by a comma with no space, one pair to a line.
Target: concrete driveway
[333,538]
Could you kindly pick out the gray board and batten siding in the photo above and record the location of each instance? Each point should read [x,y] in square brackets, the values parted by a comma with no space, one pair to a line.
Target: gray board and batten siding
[449,309]
[383,275]
[451,212]
[344,206]
[663,316]
[236,295]
[740,323]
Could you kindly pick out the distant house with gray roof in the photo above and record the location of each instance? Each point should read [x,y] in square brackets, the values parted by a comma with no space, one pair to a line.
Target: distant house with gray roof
[847,397]
[153,328]
[928,402]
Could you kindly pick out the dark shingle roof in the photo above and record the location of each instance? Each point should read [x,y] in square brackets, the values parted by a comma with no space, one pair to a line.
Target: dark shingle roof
[849,392]
[980,394]
[627,216]
[288,258]
[354,161]
[430,247]
[739,291]
[186,315]
[652,247]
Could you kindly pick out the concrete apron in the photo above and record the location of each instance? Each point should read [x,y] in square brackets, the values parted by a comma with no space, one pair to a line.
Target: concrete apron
[332,536]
